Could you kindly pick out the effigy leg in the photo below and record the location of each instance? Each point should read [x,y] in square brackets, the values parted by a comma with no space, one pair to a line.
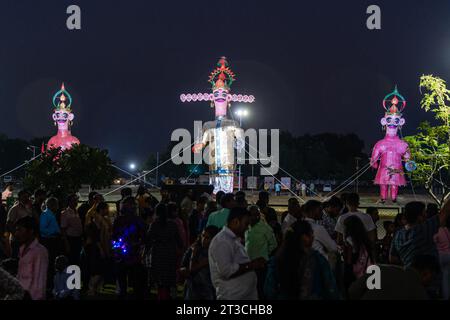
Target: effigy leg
[383,192]
[394,192]
[222,183]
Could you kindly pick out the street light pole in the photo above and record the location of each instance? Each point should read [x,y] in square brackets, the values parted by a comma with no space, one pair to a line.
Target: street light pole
[357,177]
[32,149]
[240,113]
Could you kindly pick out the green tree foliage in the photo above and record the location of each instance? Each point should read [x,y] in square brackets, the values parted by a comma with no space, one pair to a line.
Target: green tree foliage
[430,146]
[62,173]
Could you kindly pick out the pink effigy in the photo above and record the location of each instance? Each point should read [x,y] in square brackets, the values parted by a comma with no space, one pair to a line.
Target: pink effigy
[63,117]
[389,152]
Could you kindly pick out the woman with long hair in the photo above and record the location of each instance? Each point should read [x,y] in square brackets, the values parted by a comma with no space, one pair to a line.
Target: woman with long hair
[358,250]
[302,273]
[162,242]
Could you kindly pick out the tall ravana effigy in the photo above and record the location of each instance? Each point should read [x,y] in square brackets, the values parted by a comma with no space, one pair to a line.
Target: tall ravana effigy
[389,152]
[222,135]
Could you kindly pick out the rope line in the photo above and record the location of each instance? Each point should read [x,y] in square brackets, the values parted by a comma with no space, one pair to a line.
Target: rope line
[134,176]
[143,175]
[20,166]
[293,193]
[345,181]
[336,192]
[279,167]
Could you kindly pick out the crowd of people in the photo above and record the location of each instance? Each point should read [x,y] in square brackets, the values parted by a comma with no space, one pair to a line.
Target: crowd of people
[205,247]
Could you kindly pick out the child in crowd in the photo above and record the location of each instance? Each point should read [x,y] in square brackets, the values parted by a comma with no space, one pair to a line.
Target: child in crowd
[61,281]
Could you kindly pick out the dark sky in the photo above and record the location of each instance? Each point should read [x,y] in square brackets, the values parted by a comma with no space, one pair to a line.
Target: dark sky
[312,65]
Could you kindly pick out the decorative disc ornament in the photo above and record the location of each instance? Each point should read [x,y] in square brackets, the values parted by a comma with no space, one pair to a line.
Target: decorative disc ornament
[410,166]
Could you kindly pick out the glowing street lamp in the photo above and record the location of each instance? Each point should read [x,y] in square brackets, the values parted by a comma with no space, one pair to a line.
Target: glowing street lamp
[241,113]
[132,167]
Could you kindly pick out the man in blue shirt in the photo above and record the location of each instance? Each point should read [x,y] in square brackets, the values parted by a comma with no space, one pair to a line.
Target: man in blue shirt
[49,227]
[50,236]
[277,188]
[417,236]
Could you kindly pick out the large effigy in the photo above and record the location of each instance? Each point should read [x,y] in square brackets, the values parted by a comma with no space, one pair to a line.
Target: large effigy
[222,135]
[389,152]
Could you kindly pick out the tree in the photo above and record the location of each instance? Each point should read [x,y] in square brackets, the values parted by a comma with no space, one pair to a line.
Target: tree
[430,146]
[63,173]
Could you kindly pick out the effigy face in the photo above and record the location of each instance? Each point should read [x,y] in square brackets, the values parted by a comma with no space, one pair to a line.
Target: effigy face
[392,122]
[220,102]
[62,119]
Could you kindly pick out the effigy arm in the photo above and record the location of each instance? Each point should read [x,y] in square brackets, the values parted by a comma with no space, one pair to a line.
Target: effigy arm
[376,153]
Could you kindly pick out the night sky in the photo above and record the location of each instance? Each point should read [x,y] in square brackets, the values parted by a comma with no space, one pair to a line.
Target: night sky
[313,66]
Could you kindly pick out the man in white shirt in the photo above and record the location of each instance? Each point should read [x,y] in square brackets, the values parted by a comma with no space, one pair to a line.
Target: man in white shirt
[232,272]
[322,240]
[303,189]
[353,204]
[294,213]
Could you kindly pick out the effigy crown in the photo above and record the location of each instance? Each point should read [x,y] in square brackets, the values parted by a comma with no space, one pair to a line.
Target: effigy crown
[394,103]
[222,76]
[62,100]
